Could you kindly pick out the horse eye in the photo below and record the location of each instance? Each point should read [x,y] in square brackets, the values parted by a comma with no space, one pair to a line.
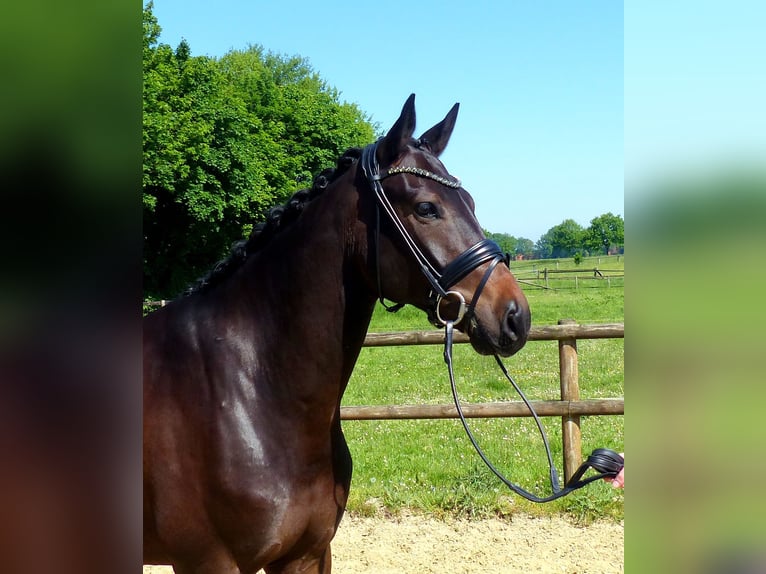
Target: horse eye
[426,209]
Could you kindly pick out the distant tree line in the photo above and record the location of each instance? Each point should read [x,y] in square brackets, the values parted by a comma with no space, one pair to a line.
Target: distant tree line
[225,139]
[606,234]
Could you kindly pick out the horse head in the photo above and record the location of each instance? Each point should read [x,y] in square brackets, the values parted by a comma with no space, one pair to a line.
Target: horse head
[424,223]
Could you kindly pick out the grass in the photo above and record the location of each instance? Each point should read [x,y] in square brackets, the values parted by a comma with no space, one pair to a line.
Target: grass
[430,466]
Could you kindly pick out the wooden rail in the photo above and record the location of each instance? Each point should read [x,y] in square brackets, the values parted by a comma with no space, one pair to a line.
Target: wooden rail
[570,408]
[486,410]
[586,275]
[541,333]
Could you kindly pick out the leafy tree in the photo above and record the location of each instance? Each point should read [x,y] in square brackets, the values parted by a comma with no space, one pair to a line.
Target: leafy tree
[195,167]
[562,240]
[543,246]
[507,243]
[513,245]
[606,231]
[224,140]
[525,247]
[302,126]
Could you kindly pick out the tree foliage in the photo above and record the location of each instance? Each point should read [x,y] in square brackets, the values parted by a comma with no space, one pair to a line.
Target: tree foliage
[562,240]
[513,245]
[606,233]
[224,139]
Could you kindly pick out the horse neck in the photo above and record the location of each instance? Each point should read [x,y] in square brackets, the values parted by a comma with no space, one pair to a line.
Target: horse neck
[310,292]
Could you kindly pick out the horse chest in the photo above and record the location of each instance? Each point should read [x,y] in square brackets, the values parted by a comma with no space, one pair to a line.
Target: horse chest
[252,449]
[272,496]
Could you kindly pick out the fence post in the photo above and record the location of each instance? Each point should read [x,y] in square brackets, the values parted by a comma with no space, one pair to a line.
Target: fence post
[570,391]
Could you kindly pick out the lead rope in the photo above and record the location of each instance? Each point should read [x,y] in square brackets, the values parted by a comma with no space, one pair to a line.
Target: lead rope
[607,463]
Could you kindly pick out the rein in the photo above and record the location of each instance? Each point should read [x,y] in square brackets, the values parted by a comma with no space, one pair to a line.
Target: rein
[605,462]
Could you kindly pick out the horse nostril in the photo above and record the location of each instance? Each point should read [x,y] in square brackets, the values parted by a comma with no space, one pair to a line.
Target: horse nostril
[516,324]
[510,327]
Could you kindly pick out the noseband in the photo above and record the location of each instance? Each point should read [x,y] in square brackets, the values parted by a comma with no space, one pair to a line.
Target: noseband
[607,463]
[440,281]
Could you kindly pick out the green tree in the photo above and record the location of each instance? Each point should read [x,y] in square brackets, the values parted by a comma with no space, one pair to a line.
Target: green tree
[196,168]
[507,243]
[301,124]
[513,245]
[224,140]
[606,232]
[543,246]
[525,247]
[562,240]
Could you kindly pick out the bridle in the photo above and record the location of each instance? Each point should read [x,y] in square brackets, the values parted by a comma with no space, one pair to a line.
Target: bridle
[440,281]
[607,463]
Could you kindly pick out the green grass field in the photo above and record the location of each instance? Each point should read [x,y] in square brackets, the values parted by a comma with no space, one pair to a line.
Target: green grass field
[430,466]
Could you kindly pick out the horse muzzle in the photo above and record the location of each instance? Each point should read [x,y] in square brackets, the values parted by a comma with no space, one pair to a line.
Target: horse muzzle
[504,336]
[514,328]
[497,320]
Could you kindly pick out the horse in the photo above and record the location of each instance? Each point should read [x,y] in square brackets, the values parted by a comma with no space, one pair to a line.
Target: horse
[245,462]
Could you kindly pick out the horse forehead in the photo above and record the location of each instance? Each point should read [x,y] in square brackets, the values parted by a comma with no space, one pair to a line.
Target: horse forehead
[416,157]
[426,161]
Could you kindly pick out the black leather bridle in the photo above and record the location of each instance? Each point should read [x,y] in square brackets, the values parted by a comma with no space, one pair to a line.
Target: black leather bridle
[440,281]
[607,463]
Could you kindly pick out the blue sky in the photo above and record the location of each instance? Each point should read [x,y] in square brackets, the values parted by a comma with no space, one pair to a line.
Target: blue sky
[695,87]
[539,138]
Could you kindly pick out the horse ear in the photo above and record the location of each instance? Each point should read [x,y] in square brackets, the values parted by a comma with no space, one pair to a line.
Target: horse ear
[438,136]
[399,135]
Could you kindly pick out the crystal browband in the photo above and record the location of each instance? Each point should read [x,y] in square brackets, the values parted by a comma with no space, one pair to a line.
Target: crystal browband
[453,183]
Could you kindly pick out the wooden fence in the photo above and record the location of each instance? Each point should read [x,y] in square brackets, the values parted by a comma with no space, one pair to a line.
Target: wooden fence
[570,278]
[570,407]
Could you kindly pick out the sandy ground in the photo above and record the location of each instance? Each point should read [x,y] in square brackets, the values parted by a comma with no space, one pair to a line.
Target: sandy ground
[420,545]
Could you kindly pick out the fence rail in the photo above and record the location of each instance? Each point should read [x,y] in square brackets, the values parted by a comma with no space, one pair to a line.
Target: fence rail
[539,333]
[485,410]
[570,408]
[567,278]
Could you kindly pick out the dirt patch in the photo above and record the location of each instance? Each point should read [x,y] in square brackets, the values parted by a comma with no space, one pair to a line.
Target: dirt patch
[420,545]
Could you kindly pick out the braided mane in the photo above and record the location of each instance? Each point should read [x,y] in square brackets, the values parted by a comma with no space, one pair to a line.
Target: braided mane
[277,219]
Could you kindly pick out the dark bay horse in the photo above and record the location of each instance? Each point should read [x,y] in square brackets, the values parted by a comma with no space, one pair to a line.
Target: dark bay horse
[245,463]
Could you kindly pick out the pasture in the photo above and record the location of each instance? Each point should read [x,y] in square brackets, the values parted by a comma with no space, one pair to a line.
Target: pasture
[429,465]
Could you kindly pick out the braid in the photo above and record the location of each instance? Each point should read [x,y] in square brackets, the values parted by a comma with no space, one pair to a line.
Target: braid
[276,220]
